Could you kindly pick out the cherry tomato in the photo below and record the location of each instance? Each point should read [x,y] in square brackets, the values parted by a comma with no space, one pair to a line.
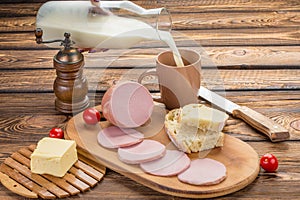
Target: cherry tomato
[269,162]
[56,133]
[91,116]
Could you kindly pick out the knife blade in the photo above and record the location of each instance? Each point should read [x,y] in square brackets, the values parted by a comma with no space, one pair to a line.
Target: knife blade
[269,127]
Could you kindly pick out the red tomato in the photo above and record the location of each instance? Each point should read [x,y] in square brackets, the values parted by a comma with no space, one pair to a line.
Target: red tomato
[56,133]
[91,116]
[269,162]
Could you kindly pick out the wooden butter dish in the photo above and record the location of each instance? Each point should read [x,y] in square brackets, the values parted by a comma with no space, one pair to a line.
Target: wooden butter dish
[16,176]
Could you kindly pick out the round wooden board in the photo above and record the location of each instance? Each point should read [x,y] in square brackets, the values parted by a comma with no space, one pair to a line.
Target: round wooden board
[16,176]
[240,159]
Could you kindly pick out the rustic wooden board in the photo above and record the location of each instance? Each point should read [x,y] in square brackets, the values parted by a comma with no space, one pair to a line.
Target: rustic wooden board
[214,20]
[14,8]
[16,176]
[210,37]
[240,159]
[242,57]
[16,118]
[102,79]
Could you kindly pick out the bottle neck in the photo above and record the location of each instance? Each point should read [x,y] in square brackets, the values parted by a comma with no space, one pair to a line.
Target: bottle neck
[163,21]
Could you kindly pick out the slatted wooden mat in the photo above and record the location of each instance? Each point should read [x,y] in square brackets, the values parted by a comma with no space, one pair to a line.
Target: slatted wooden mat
[15,175]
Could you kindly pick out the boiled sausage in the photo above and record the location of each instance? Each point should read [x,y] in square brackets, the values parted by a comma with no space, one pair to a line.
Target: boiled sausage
[172,163]
[115,137]
[127,104]
[204,172]
[145,151]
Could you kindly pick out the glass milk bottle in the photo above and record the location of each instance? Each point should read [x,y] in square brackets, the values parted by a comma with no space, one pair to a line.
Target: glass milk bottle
[116,24]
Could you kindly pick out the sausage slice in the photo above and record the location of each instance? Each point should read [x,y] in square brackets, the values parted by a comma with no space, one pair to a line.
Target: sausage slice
[204,172]
[145,151]
[172,163]
[115,137]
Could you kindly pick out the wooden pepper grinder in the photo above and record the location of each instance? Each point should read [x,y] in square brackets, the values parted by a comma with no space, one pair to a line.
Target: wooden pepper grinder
[70,86]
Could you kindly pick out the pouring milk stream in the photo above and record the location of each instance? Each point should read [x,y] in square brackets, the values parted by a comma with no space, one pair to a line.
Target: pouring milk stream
[103,30]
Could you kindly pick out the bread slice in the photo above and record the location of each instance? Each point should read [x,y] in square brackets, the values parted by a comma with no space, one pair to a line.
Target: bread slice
[195,127]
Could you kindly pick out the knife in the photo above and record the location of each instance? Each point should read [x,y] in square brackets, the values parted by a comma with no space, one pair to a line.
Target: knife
[269,127]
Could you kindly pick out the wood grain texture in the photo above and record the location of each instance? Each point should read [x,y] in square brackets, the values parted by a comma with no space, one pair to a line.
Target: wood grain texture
[254,43]
[101,79]
[242,57]
[16,187]
[190,21]
[187,6]
[17,23]
[213,37]
[17,119]
[177,6]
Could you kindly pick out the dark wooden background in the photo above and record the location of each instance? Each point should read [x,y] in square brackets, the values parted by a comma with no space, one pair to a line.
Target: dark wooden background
[253,45]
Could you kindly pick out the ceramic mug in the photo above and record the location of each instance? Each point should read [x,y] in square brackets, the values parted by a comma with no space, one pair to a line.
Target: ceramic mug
[178,85]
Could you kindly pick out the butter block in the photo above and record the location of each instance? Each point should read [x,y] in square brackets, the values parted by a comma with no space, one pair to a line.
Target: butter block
[203,117]
[53,156]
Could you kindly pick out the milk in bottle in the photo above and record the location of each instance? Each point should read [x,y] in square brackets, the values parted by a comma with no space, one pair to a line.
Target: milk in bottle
[100,30]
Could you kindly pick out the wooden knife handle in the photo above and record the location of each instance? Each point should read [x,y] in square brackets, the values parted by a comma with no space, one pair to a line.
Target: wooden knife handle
[269,127]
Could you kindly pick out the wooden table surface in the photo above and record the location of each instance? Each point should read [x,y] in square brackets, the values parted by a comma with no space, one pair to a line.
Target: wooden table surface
[253,45]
